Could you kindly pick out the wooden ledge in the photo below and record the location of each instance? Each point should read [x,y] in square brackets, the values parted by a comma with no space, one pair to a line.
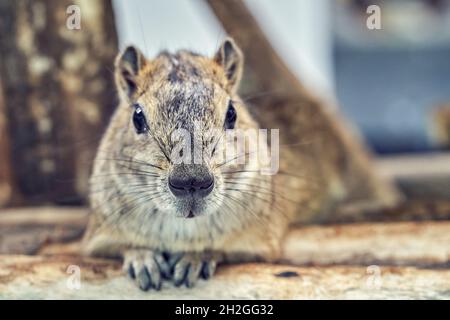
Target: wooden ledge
[393,260]
[26,277]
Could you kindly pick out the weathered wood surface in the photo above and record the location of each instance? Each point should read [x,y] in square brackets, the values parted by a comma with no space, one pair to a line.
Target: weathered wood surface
[25,277]
[58,95]
[411,257]
[410,210]
[421,244]
[420,176]
[28,230]
[425,244]
[32,230]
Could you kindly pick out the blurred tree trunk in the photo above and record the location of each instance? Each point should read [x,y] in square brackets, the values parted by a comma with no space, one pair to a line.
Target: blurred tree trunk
[6,181]
[58,95]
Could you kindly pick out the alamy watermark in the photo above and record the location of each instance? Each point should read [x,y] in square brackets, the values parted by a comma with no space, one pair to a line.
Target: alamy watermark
[249,147]
[374,279]
[73,282]
[373,21]
[73,21]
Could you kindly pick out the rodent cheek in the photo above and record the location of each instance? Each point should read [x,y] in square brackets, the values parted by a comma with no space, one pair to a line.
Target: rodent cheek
[218,182]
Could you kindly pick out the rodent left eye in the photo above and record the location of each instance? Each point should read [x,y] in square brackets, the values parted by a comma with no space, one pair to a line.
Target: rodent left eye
[230,117]
[139,120]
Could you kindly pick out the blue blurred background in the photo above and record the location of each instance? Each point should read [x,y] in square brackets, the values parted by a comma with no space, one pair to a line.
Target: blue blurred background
[390,81]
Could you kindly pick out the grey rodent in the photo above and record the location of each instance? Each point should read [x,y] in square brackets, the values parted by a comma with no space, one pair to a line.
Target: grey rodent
[176,221]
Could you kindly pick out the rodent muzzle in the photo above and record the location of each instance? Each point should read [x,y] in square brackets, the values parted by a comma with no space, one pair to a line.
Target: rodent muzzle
[195,181]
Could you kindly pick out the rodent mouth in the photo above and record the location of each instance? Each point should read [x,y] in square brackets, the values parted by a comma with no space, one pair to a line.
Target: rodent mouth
[190,206]
[190,215]
[190,211]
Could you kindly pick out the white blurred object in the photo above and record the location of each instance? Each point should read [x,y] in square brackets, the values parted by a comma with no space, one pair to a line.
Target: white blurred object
[167,24]
[298,30]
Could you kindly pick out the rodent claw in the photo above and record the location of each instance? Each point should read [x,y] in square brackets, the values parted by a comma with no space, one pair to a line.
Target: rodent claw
[208,269]
[144,279]
[148,268]
[190,268]
[130,272]
[144,268]
[164,266]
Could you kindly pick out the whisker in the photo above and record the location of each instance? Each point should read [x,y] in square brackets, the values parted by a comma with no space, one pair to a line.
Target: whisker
[280,172]
[263,192]
[245,207]
[111,187]
[131,161]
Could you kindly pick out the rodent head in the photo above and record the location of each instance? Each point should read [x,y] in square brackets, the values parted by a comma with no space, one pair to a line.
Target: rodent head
[179,108]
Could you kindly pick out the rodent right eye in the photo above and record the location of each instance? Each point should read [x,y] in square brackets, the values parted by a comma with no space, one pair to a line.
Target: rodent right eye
[230,117]
[139,120]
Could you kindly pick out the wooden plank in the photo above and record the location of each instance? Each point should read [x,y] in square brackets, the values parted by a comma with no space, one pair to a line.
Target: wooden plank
[415,165]
[28,230]
[42,216]
[32,230]
[408,260]
[420,176]
[412,243]
[424,244]
[49,278]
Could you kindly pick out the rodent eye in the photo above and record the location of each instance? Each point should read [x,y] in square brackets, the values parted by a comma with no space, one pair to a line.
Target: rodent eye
[230,117]
[139,120]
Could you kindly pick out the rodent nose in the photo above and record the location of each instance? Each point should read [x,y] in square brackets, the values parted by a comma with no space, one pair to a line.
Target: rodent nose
[182,186]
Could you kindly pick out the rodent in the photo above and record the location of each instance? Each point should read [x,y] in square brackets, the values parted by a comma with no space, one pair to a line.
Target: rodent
[175,222]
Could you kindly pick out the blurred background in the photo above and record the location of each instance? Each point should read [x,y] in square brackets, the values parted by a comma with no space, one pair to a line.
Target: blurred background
[57,92]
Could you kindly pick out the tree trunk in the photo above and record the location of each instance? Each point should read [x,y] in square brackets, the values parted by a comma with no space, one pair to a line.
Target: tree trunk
[6,181]
[58,94]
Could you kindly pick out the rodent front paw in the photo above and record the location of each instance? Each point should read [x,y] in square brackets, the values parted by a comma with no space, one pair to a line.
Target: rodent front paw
[146,267]
[189,267]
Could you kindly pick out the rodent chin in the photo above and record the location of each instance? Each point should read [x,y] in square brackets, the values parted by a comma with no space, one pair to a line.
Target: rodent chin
[190,215]
[191,208]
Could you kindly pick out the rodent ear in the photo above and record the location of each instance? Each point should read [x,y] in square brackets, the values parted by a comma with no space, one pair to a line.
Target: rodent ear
[230,57]
[128,65]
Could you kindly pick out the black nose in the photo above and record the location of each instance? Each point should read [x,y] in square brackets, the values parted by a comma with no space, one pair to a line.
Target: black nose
[182,186]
